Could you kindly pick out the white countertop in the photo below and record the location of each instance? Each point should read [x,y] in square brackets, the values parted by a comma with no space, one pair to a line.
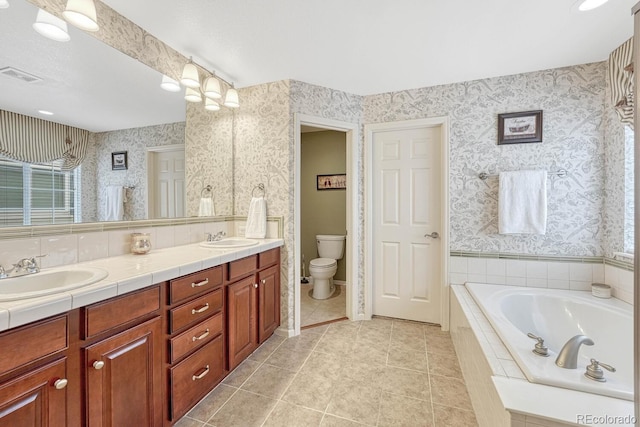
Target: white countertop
[126,273]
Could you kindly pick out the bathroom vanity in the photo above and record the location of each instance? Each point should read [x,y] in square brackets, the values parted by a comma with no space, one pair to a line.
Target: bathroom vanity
[144,358]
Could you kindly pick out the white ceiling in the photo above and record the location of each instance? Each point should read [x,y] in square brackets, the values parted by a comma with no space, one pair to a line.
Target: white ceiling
[358,46]
[374,46]
[84,82]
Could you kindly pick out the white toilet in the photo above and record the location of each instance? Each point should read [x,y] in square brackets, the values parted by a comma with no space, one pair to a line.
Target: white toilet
[330,249]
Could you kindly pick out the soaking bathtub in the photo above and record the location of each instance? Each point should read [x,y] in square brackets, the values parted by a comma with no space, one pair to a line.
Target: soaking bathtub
[556,316]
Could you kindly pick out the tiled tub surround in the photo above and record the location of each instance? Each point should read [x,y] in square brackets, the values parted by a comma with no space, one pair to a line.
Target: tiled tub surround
[551,272]
[495,382]
[127,273]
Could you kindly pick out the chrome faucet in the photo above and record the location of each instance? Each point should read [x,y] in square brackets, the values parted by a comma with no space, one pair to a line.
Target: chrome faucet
[22,268]
[210,237]
[568,356]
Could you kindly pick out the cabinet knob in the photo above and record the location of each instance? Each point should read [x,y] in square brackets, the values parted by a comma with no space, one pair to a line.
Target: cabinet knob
[263,281]
[60,383]
[98,364]
[255,285]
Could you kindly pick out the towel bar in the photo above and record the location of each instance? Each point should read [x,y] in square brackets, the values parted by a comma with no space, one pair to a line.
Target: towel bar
[560,173]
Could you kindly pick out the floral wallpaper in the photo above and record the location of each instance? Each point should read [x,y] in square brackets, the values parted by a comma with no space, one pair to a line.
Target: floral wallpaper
[97,173]
[209,148]
[572,102]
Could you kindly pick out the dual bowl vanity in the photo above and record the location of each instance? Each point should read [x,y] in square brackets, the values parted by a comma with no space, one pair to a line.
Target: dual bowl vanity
[142,344]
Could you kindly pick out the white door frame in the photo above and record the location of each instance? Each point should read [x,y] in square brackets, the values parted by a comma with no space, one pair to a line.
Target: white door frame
[151,173]
[369,130]
[352,244]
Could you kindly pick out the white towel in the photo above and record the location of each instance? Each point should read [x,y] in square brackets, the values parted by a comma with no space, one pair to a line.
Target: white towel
[115,203]
[522,203]
[257,219]
[206,207]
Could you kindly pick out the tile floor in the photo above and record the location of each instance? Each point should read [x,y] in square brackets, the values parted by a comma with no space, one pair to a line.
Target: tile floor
[381,372]
[313,311]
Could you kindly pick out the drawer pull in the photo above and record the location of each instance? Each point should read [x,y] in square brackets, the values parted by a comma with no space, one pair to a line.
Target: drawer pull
[202,336]
[98,364]
[202,283]
[60,383]
[201,375]
[200,309]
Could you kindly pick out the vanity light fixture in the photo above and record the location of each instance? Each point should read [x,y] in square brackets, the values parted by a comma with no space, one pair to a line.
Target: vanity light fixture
[4,4]
[211,88]
[193,95]
[190,76]
[586,5]
[211,105]
[169,84]
[51,26]
[82,14]
[231,98]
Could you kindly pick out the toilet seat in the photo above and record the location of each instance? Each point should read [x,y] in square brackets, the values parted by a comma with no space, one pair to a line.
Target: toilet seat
[323,263]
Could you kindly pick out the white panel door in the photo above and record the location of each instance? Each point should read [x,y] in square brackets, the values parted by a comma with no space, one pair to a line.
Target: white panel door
[169,184]
[406,211]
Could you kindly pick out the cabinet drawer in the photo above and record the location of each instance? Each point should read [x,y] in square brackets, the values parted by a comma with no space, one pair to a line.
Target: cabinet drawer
[242,267]
[32,342]
[118,311]
[194,284]
[267,258]
[196,310]
[196,336]
[195,376]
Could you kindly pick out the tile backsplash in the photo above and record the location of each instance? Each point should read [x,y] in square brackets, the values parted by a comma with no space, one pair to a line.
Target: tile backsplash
[575,275]
[65,249]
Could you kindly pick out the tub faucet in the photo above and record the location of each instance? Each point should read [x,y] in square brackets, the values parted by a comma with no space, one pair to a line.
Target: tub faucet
[568,356]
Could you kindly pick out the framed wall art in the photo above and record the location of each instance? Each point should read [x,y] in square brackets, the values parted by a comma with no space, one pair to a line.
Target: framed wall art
[519,128]
[331,182]
[119,160]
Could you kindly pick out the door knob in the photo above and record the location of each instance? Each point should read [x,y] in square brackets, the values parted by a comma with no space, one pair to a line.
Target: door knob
[433,235]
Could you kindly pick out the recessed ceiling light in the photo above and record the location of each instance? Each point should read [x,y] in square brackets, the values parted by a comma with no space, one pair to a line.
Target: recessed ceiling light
[586,5]
[45,112]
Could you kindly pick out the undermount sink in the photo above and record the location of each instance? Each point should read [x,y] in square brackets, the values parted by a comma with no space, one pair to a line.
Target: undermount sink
[48,282]
[231,242]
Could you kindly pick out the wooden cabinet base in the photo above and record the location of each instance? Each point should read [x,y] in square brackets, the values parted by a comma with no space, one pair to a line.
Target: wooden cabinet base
[195,376]
[38,398]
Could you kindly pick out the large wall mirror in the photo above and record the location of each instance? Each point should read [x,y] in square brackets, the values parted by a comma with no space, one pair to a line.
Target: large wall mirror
[90,85]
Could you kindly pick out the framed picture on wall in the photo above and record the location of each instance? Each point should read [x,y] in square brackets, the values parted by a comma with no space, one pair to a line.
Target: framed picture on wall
[519,128]
[331,182]
[119,160]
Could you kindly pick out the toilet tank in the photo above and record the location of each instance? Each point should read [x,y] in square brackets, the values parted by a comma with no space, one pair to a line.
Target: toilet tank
[330,246]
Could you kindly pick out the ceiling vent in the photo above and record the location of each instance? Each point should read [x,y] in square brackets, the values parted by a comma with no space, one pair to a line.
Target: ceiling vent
[19,74]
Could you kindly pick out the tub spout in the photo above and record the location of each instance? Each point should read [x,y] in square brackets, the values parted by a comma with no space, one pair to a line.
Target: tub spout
[568,356]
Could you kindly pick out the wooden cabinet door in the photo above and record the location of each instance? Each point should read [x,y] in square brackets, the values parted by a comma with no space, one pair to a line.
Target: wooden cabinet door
[37,398]
[269,302]
[124,384]
[242,308]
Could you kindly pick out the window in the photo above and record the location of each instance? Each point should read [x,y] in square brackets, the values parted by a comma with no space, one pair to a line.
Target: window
[38,194]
